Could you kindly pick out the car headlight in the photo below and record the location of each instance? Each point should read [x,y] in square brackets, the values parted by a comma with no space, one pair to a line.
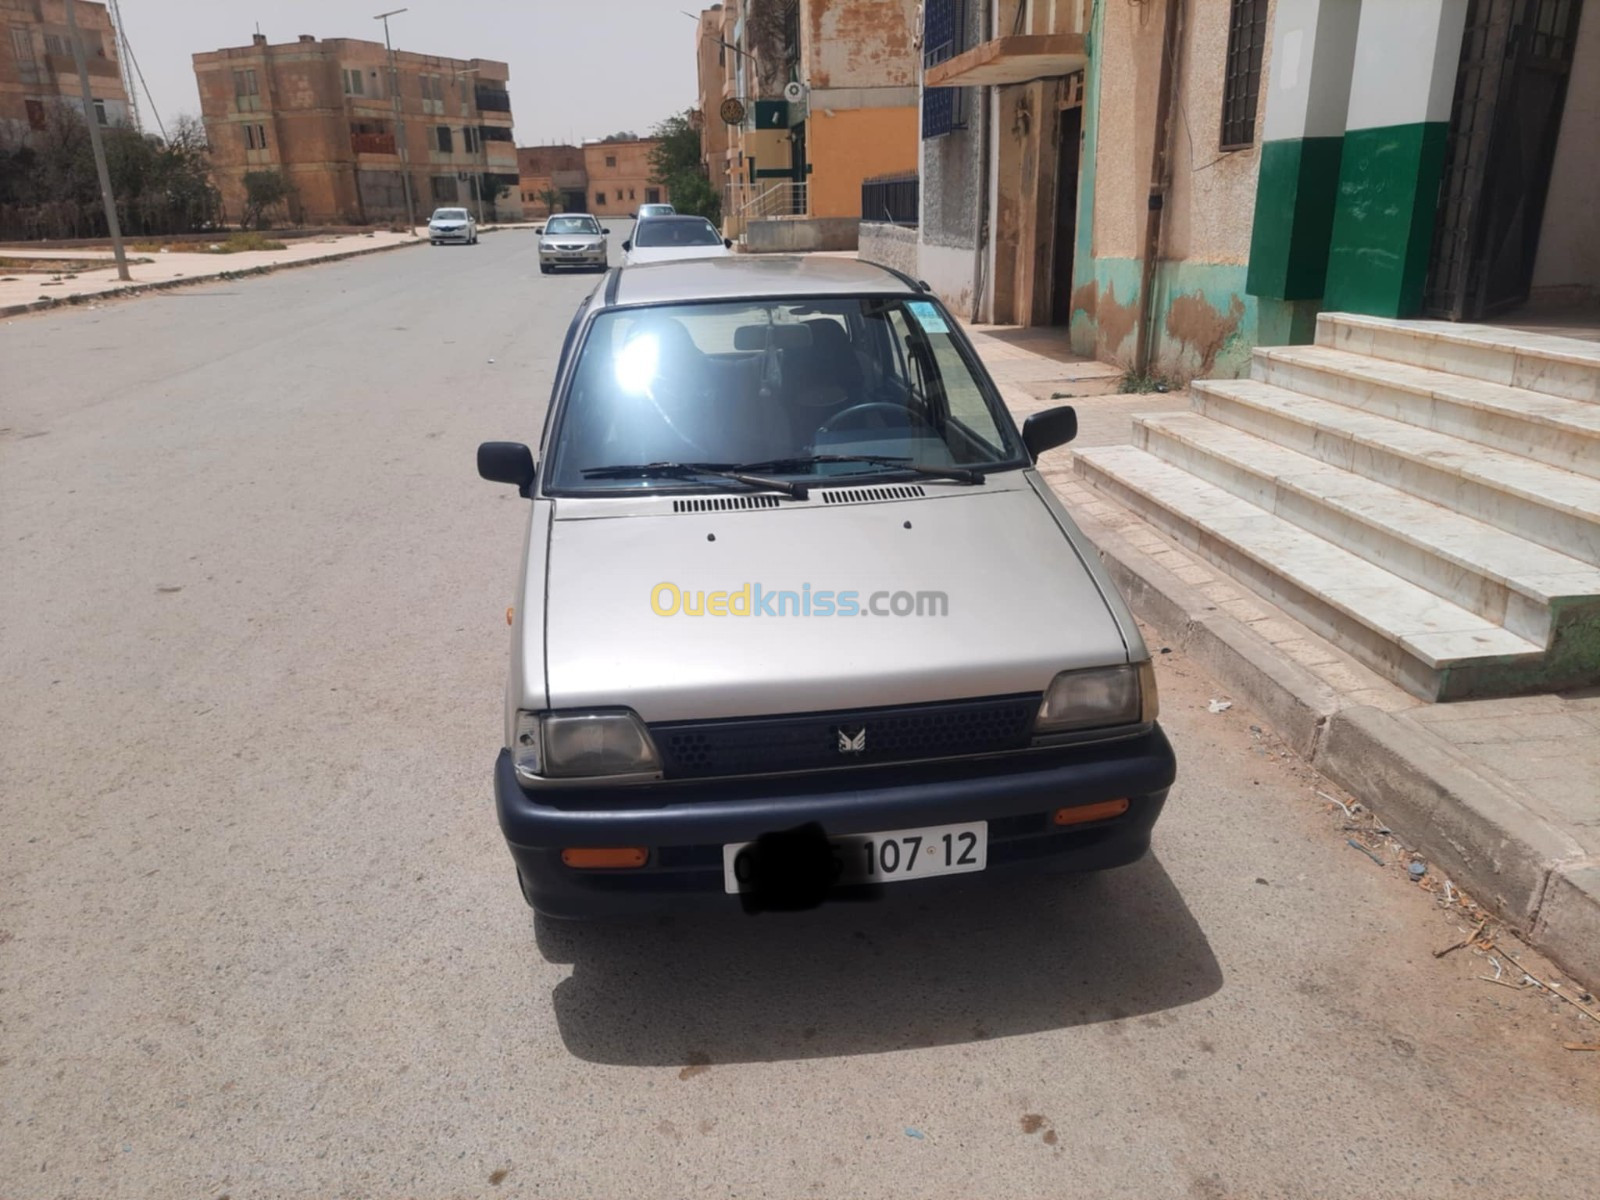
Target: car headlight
[583,745]
[1099,698]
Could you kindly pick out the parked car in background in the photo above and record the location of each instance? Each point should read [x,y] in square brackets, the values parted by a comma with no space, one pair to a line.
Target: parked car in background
[743,459]
[452,225]
[661,239]
[654,210]
[572,240]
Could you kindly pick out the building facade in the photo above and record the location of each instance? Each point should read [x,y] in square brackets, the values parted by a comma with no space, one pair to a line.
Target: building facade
[349,135]
[619,177]
[545,169]
[824,96]
[38,69]
[1182,180]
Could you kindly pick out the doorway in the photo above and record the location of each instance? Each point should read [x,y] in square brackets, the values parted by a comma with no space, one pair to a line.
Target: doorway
[1511,86]
[1068,145]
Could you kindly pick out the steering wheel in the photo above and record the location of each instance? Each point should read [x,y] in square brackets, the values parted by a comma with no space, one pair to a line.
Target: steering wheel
[850,417]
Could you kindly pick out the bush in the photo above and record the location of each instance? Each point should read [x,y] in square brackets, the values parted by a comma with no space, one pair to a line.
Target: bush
[237,243]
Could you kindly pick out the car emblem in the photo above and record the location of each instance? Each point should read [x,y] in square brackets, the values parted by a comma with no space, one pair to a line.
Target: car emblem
[852,745]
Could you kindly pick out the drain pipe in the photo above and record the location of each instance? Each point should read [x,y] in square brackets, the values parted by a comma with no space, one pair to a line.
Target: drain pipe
[980,253]
[1171,36]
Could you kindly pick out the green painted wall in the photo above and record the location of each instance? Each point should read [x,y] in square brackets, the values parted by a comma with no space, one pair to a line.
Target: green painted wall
[1295,194]
[1383,219]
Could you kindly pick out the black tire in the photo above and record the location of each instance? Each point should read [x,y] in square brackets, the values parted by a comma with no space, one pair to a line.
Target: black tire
[544,268]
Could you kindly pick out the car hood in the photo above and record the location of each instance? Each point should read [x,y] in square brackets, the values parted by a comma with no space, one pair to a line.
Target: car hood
[1021,605]
[574,239]
[653,254]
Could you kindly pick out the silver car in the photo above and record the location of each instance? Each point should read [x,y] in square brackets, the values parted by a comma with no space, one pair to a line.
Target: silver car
[452,225]
[797,617]
[572,240]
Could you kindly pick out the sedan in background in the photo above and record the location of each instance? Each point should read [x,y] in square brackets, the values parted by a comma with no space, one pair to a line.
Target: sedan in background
[646,211]
[452,225]
[572,240]
[664,239]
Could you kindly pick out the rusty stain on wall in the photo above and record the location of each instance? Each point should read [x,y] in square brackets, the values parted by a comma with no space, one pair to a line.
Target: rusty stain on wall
[1115,321]
[1196,323]
[1083,298]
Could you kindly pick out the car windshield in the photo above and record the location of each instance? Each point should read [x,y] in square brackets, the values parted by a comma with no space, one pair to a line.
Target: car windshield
[775,383]
[450,214]
[673,232]
[572,225]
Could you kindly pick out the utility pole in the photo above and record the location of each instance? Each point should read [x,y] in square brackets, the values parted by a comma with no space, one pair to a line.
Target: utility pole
[399,120]
[92,119]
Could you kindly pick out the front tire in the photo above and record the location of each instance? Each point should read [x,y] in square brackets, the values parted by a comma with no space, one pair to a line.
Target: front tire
[544,268]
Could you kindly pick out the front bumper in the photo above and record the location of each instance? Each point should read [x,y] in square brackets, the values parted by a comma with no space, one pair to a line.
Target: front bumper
[684,824]
[449,235]
[573,258]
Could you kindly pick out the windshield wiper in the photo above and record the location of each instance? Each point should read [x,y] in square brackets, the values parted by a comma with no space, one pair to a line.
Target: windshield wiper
[959,474]
[681,470]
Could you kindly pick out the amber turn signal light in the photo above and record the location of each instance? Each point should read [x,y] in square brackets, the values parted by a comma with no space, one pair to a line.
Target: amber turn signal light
[1082,813]
[602,858]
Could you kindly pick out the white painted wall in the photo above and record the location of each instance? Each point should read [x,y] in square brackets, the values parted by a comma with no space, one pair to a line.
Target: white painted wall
[1569,239]
[1407,54]
[1313,57]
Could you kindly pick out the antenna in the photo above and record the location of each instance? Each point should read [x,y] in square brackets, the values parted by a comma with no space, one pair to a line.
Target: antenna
[125,63]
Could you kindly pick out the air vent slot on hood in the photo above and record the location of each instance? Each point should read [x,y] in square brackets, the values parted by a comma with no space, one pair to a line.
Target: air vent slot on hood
[723,504]
[868,495]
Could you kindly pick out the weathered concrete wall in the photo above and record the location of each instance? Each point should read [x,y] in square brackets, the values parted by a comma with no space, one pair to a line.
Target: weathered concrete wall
[858,43]
[892,245]
[36,63]
[800,235]
[1569,250]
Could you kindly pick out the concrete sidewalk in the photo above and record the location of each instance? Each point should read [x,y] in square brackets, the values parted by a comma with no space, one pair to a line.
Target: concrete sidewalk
[25,292]
[1501,796]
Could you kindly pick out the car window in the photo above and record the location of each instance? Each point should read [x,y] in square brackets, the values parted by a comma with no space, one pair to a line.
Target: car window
[450,214]
[572,225]
[676,233]
[743,382]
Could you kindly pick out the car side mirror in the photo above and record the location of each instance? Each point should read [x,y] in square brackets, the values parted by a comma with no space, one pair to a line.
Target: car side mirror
[507,462]
[728,243]
[606,231]
[539,229]
[628,245]
[1048,429]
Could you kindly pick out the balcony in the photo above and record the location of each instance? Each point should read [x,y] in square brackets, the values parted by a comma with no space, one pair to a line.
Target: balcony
[1019,58]
[373,143]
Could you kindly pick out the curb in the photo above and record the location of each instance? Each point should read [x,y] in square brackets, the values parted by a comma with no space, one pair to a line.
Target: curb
[1527,871]
[135,289]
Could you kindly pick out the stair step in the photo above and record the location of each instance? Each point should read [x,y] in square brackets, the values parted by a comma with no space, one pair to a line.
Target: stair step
[1556,508]
[1434,648]
[1550,429]
[1500,576]
[1539,362]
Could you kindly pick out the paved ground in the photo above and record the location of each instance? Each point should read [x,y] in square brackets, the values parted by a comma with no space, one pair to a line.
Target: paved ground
[259,937]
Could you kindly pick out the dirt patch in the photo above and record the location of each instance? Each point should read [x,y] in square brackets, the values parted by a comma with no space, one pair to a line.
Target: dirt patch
[1116,321]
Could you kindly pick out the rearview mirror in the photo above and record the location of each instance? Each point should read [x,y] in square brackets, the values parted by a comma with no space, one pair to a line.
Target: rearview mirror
[728,242]
[507,462]
[606,231]
[628,245]
[1048,429]
[539,229]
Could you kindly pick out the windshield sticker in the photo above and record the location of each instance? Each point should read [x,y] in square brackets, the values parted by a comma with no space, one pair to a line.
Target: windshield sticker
[928,317]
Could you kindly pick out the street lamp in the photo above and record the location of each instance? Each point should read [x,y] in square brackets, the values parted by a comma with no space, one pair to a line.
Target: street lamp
[399,121]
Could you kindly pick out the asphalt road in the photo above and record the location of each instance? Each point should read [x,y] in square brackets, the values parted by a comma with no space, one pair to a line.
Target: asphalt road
[259,935]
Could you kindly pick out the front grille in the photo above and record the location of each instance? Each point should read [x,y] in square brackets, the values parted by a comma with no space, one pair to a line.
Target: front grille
[812,741]
[571,246]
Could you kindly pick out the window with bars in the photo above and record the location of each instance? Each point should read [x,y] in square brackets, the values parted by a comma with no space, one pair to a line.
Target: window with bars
[443,140]
[1241,88]
[944,35]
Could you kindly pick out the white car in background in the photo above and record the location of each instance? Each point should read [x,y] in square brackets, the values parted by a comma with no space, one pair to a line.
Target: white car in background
[664,239]
[452,225]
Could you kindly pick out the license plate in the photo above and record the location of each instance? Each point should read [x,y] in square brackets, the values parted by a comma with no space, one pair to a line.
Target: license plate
[891,857]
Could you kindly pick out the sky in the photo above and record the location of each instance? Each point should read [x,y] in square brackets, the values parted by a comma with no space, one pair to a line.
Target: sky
[579,68]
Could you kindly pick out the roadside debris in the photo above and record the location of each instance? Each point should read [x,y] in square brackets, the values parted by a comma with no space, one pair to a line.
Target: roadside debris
[1417,870]
[1464,942]
[1219,706]
[1581,1045]
[1370,853]
[912,1132]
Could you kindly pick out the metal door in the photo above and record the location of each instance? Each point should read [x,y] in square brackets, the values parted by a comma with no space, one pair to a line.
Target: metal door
[1511,86]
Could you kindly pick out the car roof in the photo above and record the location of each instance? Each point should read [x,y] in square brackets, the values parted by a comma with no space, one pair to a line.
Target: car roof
[745,277]
[553,216]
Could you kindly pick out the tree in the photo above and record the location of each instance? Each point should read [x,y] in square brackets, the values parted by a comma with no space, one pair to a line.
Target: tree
[675,163]
[550,198]
[263,191]
[624,135]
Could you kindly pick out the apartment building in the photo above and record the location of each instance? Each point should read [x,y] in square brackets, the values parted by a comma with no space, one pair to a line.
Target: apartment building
[619,177]
[555,168]
[349,133]
[38,70]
